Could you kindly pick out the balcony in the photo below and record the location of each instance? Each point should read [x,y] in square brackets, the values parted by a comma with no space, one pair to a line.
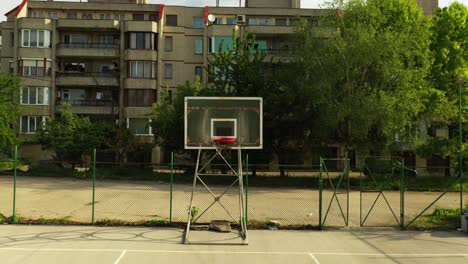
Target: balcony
[269,30]
[220,30]
[94,50]
[141,26]
[89,107]
[87,79]
[88,24]
[35,23]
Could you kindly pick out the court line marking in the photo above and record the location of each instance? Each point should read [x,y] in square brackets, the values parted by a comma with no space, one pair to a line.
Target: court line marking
[314,258]
[244,252]
[120,257]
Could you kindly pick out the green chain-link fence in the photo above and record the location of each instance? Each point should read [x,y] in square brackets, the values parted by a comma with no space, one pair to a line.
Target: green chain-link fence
[378,192]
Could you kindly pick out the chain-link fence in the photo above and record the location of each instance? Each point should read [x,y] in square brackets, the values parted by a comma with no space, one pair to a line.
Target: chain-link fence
[333,193]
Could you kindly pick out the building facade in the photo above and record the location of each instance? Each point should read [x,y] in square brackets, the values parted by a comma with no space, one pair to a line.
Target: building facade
[111,60]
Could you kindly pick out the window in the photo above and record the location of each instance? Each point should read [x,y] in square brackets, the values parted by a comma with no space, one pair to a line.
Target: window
[199,72]
[75,39]
[280,21]
[12,39]
[140,97]
[35,96]
[105,16]
[264,21]
[142,69]
[107,40]
[171,20]
[11,67]
[72,15]
[167,71]
[139,126]
[38,68]
[138,17]
[36,38]
[166,94]
[140,40]
[120,17]
[219,21]
[86,16]
[29,124]
[231,21]
[168,44]
[252,21]
[153,17]
[199,46]
[53,15]
[224,43]
[198,22]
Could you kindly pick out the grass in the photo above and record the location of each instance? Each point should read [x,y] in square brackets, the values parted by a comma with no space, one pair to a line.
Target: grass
[8,164]
[440,219]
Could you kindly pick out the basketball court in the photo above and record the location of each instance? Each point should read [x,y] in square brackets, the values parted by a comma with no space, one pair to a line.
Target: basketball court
[114,245]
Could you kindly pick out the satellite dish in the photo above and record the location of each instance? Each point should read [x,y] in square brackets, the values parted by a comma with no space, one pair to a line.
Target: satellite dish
[211,18]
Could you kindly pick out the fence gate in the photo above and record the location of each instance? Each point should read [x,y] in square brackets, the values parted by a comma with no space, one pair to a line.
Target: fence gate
[333,187]
[376,177]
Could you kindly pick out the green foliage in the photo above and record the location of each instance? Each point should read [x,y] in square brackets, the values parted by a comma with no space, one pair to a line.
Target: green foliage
[168,119]
[194,211]
[365,72]
[449,49]
[10,87]
[71,137]
[440,218]
[449,72]
[237,71]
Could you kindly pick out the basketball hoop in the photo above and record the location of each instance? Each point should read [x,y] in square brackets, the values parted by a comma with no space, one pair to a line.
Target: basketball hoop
[225,141]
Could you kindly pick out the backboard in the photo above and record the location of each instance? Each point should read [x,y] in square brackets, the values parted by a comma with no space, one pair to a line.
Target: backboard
[237,120]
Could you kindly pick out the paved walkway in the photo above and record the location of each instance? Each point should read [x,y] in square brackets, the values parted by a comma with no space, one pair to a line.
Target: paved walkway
[119,245]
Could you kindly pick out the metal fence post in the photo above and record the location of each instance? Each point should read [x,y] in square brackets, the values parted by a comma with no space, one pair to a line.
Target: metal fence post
[94,186]
[171,186]
[320,192]
[15,165]
[402,194]
[247,189]
[460,144]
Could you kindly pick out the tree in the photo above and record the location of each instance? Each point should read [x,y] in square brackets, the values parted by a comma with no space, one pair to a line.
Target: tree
[365,69]
[449,73]
[244,70]
[237,70]
[168,119]
[71,137]
[10,87]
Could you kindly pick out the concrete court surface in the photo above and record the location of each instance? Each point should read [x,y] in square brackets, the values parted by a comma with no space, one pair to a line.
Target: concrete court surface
[121,245]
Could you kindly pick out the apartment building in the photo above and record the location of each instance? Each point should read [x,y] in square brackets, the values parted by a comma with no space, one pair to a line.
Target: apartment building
[112,59]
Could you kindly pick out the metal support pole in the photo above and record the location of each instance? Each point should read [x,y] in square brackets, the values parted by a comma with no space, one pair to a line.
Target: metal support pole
[320,192]
[172,181]
[247,189]
[460,144]
[94,186]
[347,169]
[15,164]
[195,178]
[402,194]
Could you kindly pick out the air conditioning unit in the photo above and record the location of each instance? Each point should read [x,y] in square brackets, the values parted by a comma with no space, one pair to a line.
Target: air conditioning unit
[241,19]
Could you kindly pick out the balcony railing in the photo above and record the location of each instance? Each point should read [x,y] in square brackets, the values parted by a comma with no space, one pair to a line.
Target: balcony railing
[88,74]
[88,45]
[87,102]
